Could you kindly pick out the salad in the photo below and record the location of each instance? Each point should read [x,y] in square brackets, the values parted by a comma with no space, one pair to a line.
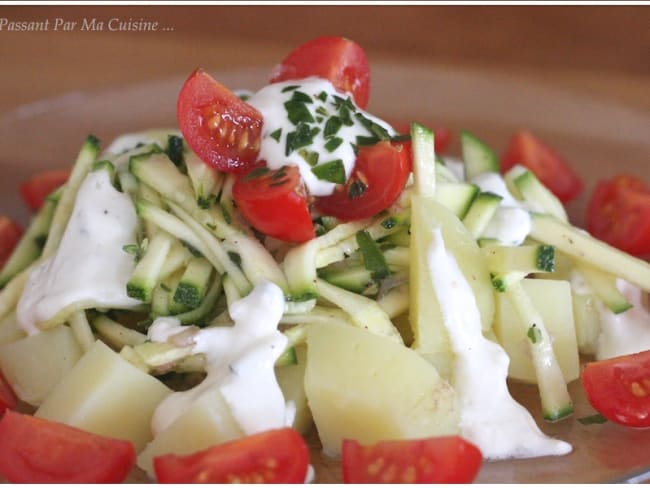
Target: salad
[196,301]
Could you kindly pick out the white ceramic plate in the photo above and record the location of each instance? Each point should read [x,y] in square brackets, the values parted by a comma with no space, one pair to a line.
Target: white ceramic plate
[598,138]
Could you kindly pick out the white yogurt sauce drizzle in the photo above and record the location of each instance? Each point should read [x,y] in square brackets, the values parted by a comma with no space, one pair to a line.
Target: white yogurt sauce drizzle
[239,363]
[89,267]
[490,417]
[270,102]
[511,223]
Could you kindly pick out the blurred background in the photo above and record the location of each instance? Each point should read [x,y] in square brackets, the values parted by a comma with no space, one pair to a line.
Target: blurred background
[600,50]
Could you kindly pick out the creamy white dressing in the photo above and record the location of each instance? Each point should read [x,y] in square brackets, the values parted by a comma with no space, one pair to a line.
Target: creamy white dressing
[89,268]
[239,363]
[270,102]
[511,223]
[627,332]
[490,417]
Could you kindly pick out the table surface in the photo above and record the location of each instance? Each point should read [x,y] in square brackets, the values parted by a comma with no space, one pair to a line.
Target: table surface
[598,50]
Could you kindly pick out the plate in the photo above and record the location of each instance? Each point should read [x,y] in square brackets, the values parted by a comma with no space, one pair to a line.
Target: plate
[599,139]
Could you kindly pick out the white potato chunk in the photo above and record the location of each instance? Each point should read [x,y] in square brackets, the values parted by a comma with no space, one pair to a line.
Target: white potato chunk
[34,365]
[369,388]
[106,395]
[553,300]
[206,423]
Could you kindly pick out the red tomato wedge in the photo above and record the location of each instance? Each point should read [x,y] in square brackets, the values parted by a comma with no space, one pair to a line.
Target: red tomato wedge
[8,398]
[442,135]
[224,131]
[275,203]
[619,388]
[339,60]
[619,214]
[34,450]
[433,460]
[274,456]
[35,190]
[551,169]
[378,178]
[10,233]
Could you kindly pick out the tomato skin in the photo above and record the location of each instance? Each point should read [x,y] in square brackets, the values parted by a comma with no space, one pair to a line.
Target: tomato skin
[339,60]
[618,213]
[10,234]
[224,131]
[619,388]
[383,170]
[35,190]
[449,459]
[273,456]
[551,169]
[443,136]
[8,399]
[275,203]
[34,450]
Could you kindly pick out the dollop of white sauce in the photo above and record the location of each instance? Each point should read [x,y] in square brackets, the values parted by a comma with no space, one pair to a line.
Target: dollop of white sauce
[239,362]
[490,417]
[627,332]
[270,102]
[89,267]
[511,223]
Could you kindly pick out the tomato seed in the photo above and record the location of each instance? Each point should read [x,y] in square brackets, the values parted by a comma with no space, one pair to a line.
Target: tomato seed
[637,390]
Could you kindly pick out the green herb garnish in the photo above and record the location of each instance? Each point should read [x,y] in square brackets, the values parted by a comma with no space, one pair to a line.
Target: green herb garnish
[357,188]
[332,171]
[534,334]
[276,134]
[592,419]
[311,157]
[303,136]
[289,88]
[332,126]
[373,259]
[333,143]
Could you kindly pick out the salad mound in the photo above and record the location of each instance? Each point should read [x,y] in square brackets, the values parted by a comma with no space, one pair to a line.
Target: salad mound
[286,261]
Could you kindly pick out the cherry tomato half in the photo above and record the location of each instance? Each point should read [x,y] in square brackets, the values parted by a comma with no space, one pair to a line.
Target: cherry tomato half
[274,456]
[35,190]
[35,450]
[619,214]
[551,169]
[448,459]
[619,388]
[275,203]
[10,234]
[378,178]
[339,60]
[224,131]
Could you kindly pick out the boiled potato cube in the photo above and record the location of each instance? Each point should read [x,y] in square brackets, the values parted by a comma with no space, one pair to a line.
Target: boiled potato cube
[106,395]
[206,423]
[10,331]
[33,366]
[369,388]
[552,298]
[291,379]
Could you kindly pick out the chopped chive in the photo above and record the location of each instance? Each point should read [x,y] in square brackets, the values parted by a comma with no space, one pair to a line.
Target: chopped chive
[297,112]
[546,258]
[322,111]
[280,173]
[319,119]
[373,259]
[226,213]
[279,183]
[332,171]
[401,138]
[346,117]
[211,226]
[332,126]
[367,140]
[165,287]
[333,143]
[276,134]
[340,102]
[373,127]
[205,202]
[303,136]
[311,157]
[592,419]
[256,173]
[534,334]
[299,96]
[357,188]
[289,88]
[175,149]
[322,96]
